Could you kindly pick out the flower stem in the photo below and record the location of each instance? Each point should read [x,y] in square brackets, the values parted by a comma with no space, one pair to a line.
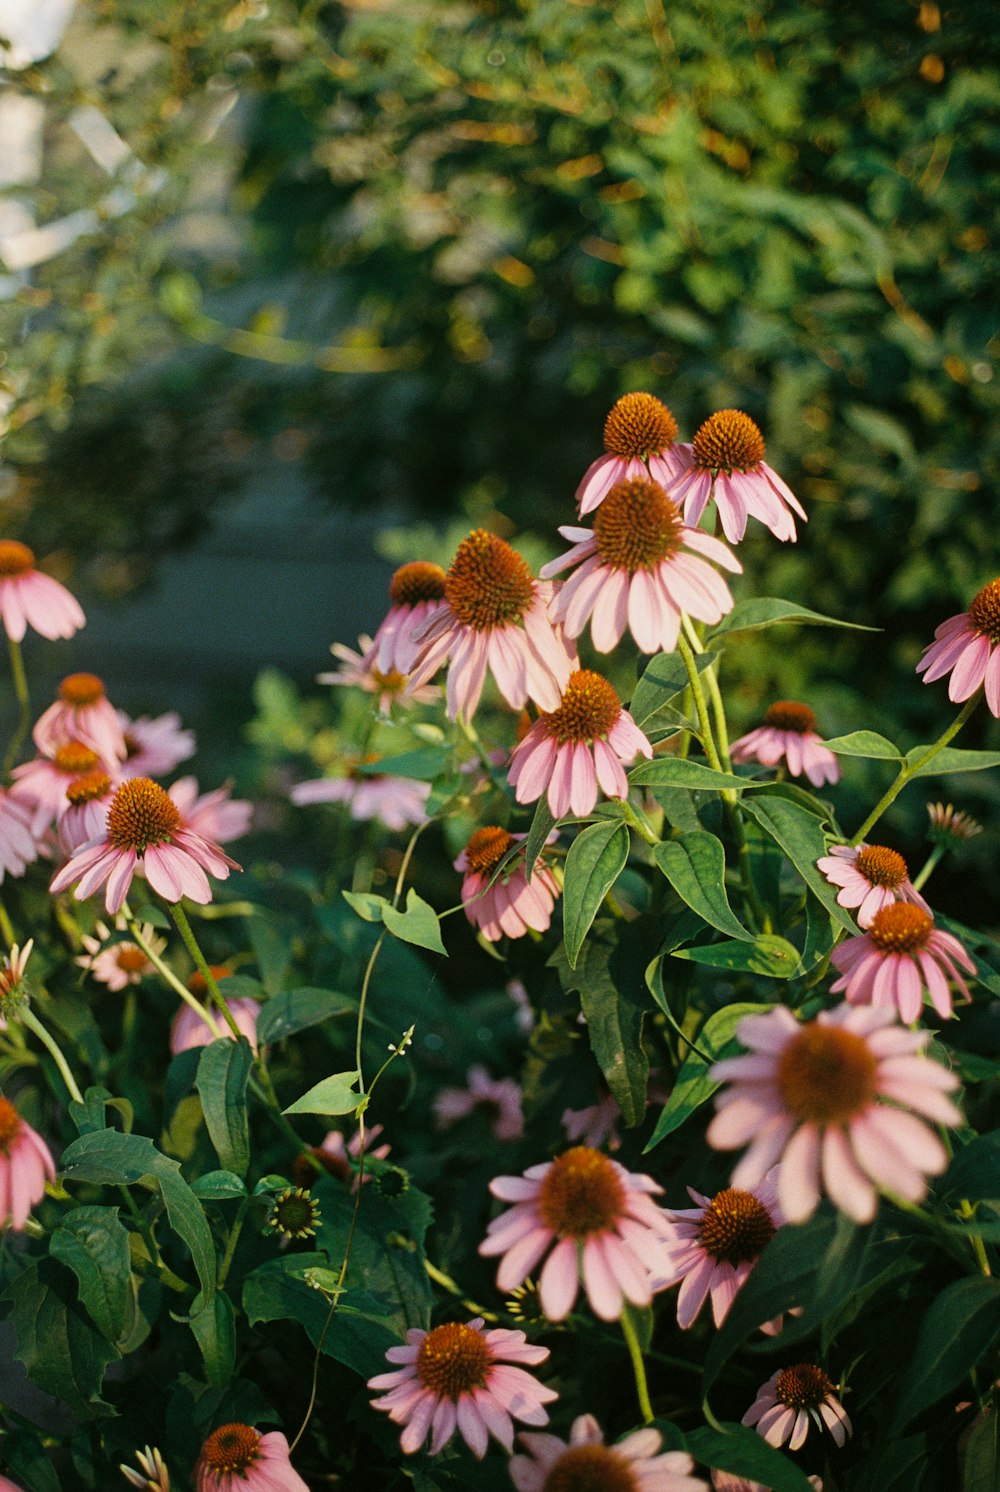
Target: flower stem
[910,769]
[29,1019]
[928,867]
[701,707]
[6,926]
[638,822]
[638,1366]
[232,1241]
[212,984]
[165,972]
[24,702]
[712,680]
[966,1210]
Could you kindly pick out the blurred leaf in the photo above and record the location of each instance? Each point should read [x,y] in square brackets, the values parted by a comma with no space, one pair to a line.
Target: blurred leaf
[981,1466]
[424,764]
[758,612]
[957,1335]
[952,759]
[663,679]
[596,859]
[867,744]
[692,1087]
[739,1450]
[542,824]
[218,1186]
[296,1010]
[214,1327]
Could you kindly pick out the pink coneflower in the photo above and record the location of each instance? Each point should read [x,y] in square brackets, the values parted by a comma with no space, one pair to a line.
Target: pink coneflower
[459,1376]
[600,1219]
[814,1097]
[154,745]
[505,903]
[118,964]
[417,592]
[639,436]
[901,953]
[640,567]
[494,616]
[585,1462]
[595,1125]
[18,846]
[238,1458]
[84,814]
[950,825]
[871,877]
[215,815]
[578,749]
[397,802]
[339,1157]
[966,646]
[725,461]
[787,1402]
[714,1246]
[25,1166]
[43,781]
[30,599]
[726,1481]
[359,670]
[789,734]
[144,835]
[498,1098]
[6,1485]
[84,713]
[188,1030]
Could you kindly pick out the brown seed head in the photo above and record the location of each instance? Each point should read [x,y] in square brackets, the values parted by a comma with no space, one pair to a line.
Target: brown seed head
[454,1359]
[803,1386]
[10,1125]
[81,689]
[582,1193]
[488,585]
[728,441]
[640,426]
[415,582]
[882,866]
[590,1468]
[786,714]
[15,559]
[637,526]
[736,1227]
[232,1450]
[88,787]
[826,1075]
[486,848]
[75,758]
[141,814]
[901,928]
[590,707]
[984,613]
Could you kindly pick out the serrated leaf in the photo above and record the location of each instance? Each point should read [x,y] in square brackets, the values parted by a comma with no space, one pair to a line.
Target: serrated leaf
[758,612]
[675,771]
[358,1335]
[799,833]
[297,1009]
[695,865]
[952,759]
[866,744]
[418,924]
[766,954]
[93,1243]
[223,1073]
[214,1328]
[334,1095]
[596,859]
[957,1334]
[693,1086]
[614,1015]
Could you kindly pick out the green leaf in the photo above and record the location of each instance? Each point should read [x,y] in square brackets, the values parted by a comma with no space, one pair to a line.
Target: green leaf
[92,1242]
[218,1186]
[214,1327]
[418,924]
[981,1464]
[90,1115]
[368,906]
[957,1334]
[664,678]
[334,1095]
[596,859]
[675,771]
[297,1009]
[359,1334]
[542,825]
[695,865]
[424,764]
[739,1450]
[799,833]
[867,744]
[388,1249]
[693,1086]
[62,1352]
[614,1009]
[952,759]
[768,611]
[223,1073]
[766,954]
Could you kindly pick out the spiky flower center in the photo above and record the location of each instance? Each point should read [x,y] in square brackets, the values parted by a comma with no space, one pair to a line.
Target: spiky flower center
[141,814]
[639,425]
[75,758]
[590,1468]
[486,848]
[130,959]
[10,1125]
[454,1359]
[582,1193]
[489,585]
[787,714]
[901,928]
[294,1213]
[80,689]
[803,1386]
[15,558]
[589,710]
[232,1450]
[392,682]
[415,582]
[826,1075]
[728,441]
[736,1227]
[882,866]
[637,526]
[88,787]
[984,613]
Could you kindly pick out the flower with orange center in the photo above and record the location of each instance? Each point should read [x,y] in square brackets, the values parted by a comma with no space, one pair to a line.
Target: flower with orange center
[87,800]
[967,646]
[505,902]
[586,1464]
[900,955]
[25,1166]
[494,616]
[639,436]
[841,1103]
[725,462]
[640,567]
[82,712]
[238,1458]
[416,593]
[578,748]
[789,736]
[714,1246]
[359,669]
[119,964]
[144,834]
[599,1221]
[458,1376]
[870,877]
[28,598]
[41,783]
[789,1400]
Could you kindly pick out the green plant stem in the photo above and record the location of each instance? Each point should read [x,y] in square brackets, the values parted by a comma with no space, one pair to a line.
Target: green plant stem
[211,983]
[638,822]
[447,1283]
[232,1241]
[910,770]
[24,703]
[712,680]
[6,926]
[28,1018]
[165,972]
[701,707]
[171,1280]
[966,1210]
[929,865]
[638,1367]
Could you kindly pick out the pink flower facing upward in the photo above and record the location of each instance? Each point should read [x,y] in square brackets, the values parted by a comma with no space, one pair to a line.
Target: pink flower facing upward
[714,1246]
[359,670]
[144,835]
[640,567]
[602,1222]
[118,964]
[30,599]
[397,802]
[498,1098]
[585,1462]
[578,749]
[968,647]
[789,1400]
[505,903]
[42,782]
[725,461]
[154,745]
[494,616]
[238,1458]
[832,1100]
[870,877]
[639,435]
[461,1377]
[216,815]
[84,713]
[25,1166]
[789,734]
[900,955]
[416,593]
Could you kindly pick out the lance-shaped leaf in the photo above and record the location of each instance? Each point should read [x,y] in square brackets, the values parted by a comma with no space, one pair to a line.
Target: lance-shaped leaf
[92,1242]
[595,861]
[695,865]
[223,1073]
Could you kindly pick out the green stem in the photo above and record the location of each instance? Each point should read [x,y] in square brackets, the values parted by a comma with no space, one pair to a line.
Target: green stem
[928,867]
[911,769]
[29,1019]
[447,1283]
[712,680]
[177,985]
[638,1367]
[24,702]
[232,1241]
[638,822]
[701,708]
[6,927]
[966,1210]
[211,983]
